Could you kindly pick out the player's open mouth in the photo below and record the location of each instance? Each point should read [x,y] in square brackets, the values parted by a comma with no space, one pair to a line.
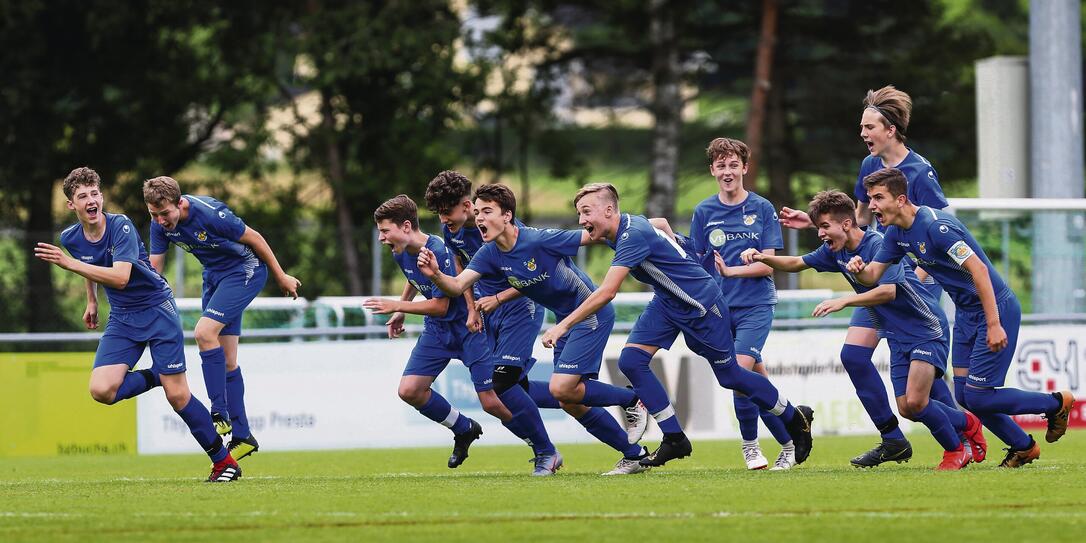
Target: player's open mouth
[92,211]
[870,144]
[589,228]
[878,216]
[482,229]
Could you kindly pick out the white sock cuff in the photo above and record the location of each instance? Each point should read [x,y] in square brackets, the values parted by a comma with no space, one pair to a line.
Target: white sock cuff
[664,414]
[451,419]
[782,403]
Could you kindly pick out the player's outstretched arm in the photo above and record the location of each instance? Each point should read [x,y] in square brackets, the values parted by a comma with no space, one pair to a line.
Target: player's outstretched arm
[114,277]
[90,315]
[489,304]
[752,269]
[877,296]
[867,273]
[395,322]
[595,301]
[289,285]
[794,219]
[790,264]
[451,286]
[435,307]
[997,336]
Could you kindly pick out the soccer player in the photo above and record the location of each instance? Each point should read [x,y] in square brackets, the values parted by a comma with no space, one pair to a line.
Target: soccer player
[987,318]
[236,261]
[908,316]
[686,299]
[445,335]
[511,322]
[105,249]
[538,264]
[723,225]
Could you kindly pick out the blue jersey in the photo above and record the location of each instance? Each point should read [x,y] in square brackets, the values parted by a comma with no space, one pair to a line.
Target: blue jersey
[465,243]
[941,244]
[211,233]
[145,288]
[913,316]
[729,230]
[924,188]
[409,265]
[540,267]
[682,285]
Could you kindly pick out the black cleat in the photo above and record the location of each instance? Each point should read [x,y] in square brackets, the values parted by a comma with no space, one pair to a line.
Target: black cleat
[462,442]
[800,430]
[668,450]
[222,423]
[240,448]
[890,450]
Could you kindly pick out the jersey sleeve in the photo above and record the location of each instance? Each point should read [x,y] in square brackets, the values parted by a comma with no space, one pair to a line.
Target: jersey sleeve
[560,242]
[821,259]
[771,228]
[697,231]
[159,243]
[895,273]
[948,238]
[224,223]
[926,190]
[859,191]
[445,264]
[126,242]
[890,252]
[483,262]
[632,249]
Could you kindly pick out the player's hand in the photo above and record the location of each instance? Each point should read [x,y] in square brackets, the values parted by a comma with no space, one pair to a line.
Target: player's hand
[395,325]
[427,262]
[832,305]
[751,255]
[856,265]
[720,265]
[53,255]
[90,317]
[551,336]
[487,304]
[381,306]
[475,321]
[289,285]
[794,218]
[997,338]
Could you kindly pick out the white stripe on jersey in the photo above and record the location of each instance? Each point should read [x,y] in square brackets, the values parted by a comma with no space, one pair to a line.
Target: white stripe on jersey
[664,281]
[201,201]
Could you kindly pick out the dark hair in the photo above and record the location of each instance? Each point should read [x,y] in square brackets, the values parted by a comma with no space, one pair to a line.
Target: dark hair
[446,190]
[499,194]
[161,190]
[891,178]
[895,107]
[80,177]
[724,147]
[835,203]
[398,209]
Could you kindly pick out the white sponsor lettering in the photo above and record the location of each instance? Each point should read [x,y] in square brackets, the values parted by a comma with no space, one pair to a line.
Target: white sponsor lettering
[923,352]
[175,365]
[568,366]
[510,357]
[216,312]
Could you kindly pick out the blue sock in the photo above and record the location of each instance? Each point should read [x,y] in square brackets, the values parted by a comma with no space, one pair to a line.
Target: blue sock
[870,389]
[526,420]
[953,414]
[235,399]
[1012,401]
[540,391]
[939,425]
[599,394]
[600,424]
[941,392]
[214,368]
[959,390]
[439,410]
[634,364]
[776,426]
[747,415]
[755,386]
[136,383]
[198,420]
[1001,424]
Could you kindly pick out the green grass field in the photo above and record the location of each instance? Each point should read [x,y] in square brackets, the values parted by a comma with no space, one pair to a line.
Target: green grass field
[408,495]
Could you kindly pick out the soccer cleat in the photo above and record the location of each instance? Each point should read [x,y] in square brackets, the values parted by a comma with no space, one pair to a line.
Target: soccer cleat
[752,455]
[224,471]
[668,451]
[461,443]
[800,430]
[1057,422]
[222,424]
[954,460]
[1017,459]
[889,450]
[240,448]
[974,435]
[785,460]
[637,421]
[629,466]
[547,464]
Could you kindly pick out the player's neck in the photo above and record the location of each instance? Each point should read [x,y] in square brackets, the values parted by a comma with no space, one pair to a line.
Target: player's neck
[855,236]
[418,241]
[735,197]
[183,210]
[908,216]
[894,155]
[94,231]
[508,238]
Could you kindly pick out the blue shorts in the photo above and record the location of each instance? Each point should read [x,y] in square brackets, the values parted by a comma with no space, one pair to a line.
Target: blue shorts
[512,331]
[440,342]
[709,336]
[580,351]
[226,296]
[863,317]
[933,352]
[970,350]
[127,334]
[750,328]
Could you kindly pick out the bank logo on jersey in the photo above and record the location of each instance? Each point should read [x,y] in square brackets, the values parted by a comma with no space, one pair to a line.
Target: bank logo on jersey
[530,264]
[201,235]
[749,219]
[184,246]
[717,237]
[923,248]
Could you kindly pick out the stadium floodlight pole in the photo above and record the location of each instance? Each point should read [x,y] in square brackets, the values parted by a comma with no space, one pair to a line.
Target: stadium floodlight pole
[1055,65]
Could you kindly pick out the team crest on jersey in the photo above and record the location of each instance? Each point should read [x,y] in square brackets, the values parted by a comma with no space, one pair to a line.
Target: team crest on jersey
[717,237]
[749,219]
[923,248]
[201,235]
[530,264]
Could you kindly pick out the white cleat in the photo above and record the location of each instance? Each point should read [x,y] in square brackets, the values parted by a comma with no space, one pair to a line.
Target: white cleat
[637,421]
[627,466]
[785,460]
[752,454]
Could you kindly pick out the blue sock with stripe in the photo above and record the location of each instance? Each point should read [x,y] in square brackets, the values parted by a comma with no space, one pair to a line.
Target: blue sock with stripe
[439,410]
[198,419]
[136,383]
[634,364]
[870,389]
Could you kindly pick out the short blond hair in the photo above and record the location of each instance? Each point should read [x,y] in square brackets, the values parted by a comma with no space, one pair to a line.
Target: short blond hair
[161,190]
[609,191]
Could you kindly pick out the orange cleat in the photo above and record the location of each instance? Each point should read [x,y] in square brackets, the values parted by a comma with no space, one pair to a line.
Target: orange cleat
[1057,423]
[1017,459]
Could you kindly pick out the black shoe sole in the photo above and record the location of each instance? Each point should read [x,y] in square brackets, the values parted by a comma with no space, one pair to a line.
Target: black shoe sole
[653,460]
[455,460]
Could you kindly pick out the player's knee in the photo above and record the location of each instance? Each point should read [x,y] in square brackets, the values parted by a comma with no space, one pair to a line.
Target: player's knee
[505,378]
[565,392]
[103,393]
[178,398]
[492,405]
[913,405]
[632,360]
[206,337]
[412,395]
